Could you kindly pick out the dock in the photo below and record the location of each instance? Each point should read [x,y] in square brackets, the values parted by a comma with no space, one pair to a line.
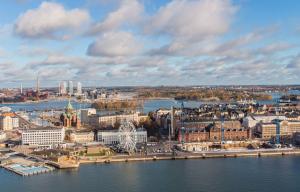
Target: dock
[23,165]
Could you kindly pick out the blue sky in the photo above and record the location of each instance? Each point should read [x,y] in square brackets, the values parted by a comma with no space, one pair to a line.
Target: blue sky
[146,42]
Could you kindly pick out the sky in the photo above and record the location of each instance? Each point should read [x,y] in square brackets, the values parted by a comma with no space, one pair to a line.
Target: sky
[149,42]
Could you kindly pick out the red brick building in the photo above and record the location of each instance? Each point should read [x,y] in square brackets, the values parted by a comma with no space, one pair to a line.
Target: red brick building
[233,131]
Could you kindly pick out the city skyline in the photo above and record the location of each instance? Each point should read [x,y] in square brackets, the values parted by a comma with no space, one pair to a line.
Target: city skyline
[133,43]
[105,95]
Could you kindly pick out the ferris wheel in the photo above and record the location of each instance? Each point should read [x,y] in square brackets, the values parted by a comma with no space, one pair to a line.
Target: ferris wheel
[127,136]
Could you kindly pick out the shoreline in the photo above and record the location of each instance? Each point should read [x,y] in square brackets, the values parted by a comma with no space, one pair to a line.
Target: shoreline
[8,104]
[32,102]
[145,99]
[160,157]
[207,155]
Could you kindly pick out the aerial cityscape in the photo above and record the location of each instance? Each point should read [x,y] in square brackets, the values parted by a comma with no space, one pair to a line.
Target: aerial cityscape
[138,95]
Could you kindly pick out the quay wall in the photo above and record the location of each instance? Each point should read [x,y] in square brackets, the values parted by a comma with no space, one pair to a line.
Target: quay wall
[190,156]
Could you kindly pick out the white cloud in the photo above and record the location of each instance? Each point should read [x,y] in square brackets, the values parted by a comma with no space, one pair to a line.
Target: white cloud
[275,47]
[114,44]
[50,20]
[2,52]
[193,19]
[129,12]
[237,46]
[294,63]
[187,43]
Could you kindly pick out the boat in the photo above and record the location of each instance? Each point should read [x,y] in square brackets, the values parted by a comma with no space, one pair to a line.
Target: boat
[283,101]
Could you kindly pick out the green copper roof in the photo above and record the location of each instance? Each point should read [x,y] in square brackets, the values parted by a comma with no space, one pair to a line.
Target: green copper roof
[69,106]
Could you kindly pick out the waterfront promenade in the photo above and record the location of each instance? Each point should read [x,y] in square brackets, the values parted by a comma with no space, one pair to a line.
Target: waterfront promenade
[198,155]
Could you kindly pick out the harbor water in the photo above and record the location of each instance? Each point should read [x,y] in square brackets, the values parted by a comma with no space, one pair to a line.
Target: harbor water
[203,175]
[149,105]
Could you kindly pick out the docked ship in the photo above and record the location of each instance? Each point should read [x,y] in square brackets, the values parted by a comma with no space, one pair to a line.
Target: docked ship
[247,102]
[284,101]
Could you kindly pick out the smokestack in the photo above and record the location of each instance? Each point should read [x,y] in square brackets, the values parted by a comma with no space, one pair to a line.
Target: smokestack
[37,88]
[21,89]
[172,122]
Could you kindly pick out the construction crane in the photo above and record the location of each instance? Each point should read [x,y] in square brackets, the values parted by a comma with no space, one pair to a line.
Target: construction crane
[222,129]
[38,88]
[182,124]
[277,139]
[277,122]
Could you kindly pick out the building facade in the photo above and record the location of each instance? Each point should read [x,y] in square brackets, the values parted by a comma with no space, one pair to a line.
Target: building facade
[286,128]
[79,88]
[70,88]
[2,135]
[43,136]
[252,120]
[70,118]
[85,113]
[15,122]
[111,120]
[63,88]
[114,137]
[82,137]
[206,131]
[8,121]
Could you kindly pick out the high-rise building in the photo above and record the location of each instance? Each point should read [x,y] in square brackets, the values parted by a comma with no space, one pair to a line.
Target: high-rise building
[65,87]
[59,88]
[62,88]
[79,88]
[21,89]
[70,87]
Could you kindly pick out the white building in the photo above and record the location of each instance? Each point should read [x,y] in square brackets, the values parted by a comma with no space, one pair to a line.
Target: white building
[162,111]
[15,122]
[252,120]
[2,135]
[79,88]
[63,88]
[82,137]
[70,88]
[43,136]
[9,121]
[114,137]
[6,123]
[5,109]
[85,113]
[111,120]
